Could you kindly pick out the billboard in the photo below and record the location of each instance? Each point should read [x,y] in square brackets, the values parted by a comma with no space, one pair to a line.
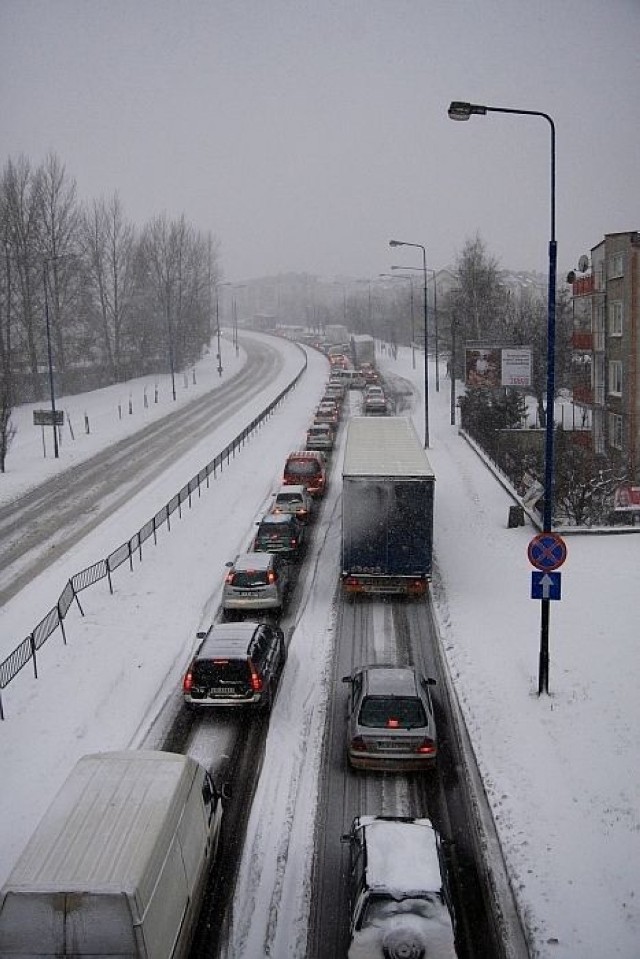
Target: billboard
[483,366]
[490,367]
[516,366]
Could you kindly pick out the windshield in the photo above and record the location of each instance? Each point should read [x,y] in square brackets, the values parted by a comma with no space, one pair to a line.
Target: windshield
[381,907]
[223,672]
[302,467]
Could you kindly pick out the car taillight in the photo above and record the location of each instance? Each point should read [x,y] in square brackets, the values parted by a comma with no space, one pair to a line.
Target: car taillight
[229,579]
[358,744]
[187,682]
[427,747]
[272,577]
[294,541]
[256,680]
[393,723]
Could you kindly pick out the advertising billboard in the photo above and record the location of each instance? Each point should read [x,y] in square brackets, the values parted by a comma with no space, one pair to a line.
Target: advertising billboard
[483,366]
[490,367]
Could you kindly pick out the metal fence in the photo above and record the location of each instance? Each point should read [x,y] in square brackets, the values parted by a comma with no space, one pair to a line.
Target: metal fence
[25,652]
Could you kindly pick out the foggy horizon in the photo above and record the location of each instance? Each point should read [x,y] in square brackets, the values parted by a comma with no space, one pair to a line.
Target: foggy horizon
[305,135]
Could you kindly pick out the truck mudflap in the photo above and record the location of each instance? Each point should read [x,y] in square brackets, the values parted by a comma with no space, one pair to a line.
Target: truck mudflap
[391,585]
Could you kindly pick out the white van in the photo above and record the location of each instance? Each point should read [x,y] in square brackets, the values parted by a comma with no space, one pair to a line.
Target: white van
[117,866]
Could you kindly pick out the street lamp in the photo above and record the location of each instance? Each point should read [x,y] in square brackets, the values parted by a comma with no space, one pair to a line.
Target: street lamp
[219,354]
[426,330]
[435,317]
[45,279]
[459,110]
[404,276]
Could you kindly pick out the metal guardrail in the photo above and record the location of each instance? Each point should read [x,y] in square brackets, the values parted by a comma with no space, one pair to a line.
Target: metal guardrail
[25,651]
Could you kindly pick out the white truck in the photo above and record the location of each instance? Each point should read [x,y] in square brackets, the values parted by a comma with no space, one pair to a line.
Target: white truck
[117,866]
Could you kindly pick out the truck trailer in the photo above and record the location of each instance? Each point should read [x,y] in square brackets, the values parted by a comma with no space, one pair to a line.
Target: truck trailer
[387,508]
[363,349]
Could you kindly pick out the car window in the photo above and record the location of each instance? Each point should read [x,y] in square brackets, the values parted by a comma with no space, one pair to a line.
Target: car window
[220,672]
[392,712]
[260,649]
[289,498]
[302,467]
[251,577]
[380,908]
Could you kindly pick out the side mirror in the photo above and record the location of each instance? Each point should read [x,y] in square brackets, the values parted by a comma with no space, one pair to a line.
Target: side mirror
[201,634]
[347,679]
[428,681]
[229,564]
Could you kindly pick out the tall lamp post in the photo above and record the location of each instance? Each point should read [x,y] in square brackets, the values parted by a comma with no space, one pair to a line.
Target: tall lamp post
[426,340]
[45,279]
[219,353]
[459,110]
[435,318]
[405,276]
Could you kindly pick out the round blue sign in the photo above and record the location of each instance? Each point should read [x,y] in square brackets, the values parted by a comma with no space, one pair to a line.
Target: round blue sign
[547,551]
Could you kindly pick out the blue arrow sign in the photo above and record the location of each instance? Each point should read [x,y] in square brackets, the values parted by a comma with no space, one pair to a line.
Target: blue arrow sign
[545,585]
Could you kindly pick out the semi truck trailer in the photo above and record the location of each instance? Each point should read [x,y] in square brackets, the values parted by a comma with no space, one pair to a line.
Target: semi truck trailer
[387,508]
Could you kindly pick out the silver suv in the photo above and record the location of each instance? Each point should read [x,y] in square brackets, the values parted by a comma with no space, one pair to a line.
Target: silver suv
[255,581]
[399,898]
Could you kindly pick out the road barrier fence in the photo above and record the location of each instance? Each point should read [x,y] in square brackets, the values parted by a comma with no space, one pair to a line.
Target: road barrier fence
[25,652]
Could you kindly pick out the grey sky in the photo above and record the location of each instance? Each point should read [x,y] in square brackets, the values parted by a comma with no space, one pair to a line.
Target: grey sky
[306,134]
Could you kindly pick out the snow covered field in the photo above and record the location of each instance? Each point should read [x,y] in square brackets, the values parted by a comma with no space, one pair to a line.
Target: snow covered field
[561,771]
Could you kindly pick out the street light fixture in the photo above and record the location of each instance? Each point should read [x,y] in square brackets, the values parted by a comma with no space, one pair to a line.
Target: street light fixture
[419,246]
[460,110]
[435,318]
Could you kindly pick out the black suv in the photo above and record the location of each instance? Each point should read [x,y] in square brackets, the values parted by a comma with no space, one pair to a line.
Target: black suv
[237,664]
[279,533]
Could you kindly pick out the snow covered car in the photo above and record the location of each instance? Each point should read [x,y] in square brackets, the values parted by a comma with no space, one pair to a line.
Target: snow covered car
[399,900]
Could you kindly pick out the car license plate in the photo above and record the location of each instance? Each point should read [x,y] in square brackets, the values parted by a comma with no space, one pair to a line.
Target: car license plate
[390,746]
[224,691]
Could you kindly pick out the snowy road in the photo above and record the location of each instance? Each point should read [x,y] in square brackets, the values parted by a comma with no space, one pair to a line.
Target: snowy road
[50,519]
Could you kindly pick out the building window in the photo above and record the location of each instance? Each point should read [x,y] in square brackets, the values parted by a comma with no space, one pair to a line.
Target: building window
[615,377]
[616,265]
[615,318]
[615,431]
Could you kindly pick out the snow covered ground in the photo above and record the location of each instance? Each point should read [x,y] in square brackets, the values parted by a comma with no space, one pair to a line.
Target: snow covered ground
[561,771]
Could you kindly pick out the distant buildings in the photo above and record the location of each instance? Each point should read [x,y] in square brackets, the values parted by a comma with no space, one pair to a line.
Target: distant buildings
[606,349]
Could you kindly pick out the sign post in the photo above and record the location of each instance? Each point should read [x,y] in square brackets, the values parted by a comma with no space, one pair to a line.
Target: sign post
[547,552]
[53,418]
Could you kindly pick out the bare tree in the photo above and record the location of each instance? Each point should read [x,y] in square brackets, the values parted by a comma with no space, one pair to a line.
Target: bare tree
[21,188]
[179,267]
[108,241]
[60,216]
[7,429]
[481,298]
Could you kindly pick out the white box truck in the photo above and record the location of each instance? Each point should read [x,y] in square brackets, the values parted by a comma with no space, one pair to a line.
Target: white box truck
[117,866]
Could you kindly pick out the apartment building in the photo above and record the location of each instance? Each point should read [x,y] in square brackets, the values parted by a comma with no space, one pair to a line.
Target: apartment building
[606,349]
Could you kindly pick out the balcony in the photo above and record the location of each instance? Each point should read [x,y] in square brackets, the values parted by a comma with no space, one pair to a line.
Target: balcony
[583,394]
[583,285]
[582,340]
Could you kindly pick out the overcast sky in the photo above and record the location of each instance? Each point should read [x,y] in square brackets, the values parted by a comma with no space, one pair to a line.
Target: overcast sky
[306,133]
